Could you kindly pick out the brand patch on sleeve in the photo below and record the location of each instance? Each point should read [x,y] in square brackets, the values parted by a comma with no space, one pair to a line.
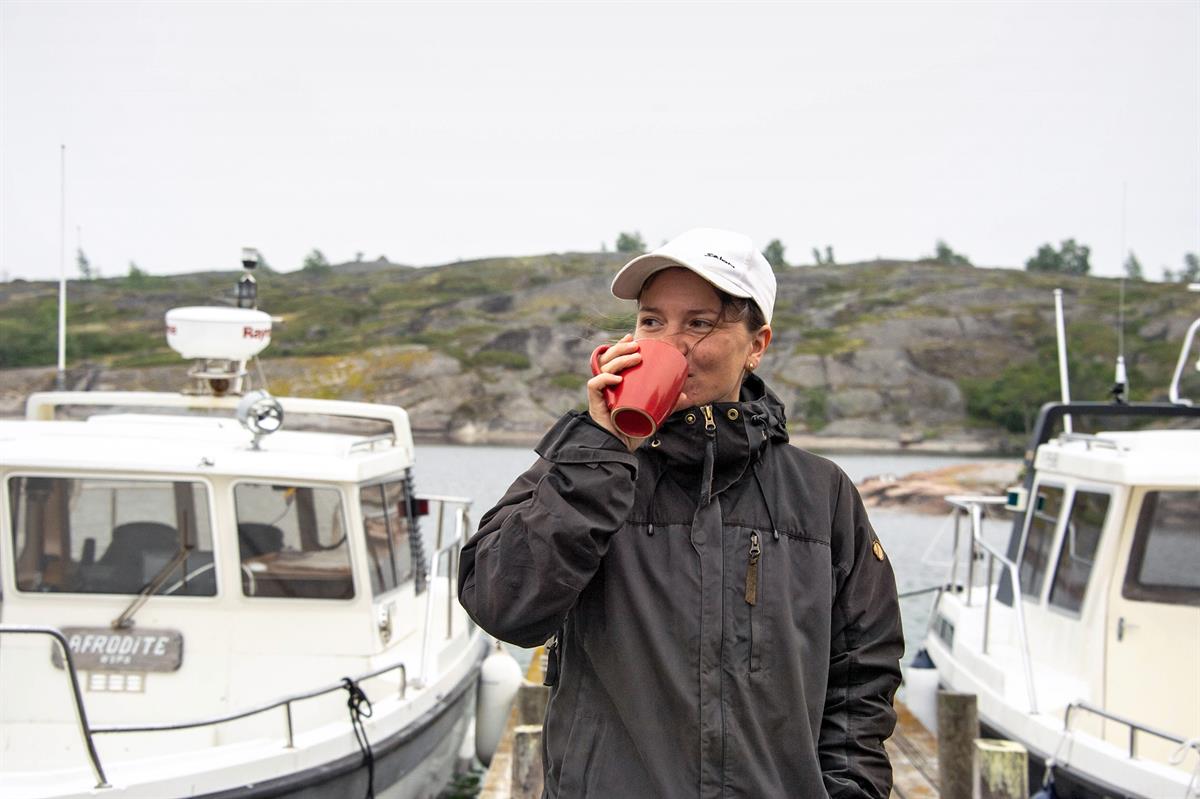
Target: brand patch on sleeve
[877,548]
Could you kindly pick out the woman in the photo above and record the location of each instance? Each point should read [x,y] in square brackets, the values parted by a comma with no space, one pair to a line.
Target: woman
[724,619]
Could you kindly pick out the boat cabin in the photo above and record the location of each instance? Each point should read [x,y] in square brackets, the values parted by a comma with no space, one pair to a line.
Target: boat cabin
[199,567]
[1082,639]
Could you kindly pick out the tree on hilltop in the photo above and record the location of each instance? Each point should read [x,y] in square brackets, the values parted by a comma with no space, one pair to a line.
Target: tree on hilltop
[942,254]
[631,242]
[1070,259]
[1133,267]
[315,261]
[773,252]
[825,260]
[86,271]
[1191,268]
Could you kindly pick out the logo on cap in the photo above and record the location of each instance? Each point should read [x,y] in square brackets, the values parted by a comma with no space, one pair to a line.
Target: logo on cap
[719,258]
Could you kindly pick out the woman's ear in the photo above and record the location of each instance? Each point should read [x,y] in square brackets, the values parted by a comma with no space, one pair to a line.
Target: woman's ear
[760,342]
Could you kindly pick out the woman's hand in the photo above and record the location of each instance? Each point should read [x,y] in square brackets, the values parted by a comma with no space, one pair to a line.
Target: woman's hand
[618,357]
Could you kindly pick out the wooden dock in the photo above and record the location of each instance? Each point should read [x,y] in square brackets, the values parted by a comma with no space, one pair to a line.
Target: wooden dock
[912,748]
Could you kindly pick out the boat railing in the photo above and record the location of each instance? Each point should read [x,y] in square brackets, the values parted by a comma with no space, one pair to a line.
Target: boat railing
[446,552]
[285,703]
[86,731]
[89,732]
[1134,728]
[973,505]
[1181,365]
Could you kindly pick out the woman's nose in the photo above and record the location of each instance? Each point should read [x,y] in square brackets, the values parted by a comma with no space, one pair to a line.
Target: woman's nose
[679,341]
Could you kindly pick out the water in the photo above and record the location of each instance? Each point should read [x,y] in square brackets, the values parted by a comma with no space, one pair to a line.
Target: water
[917,545]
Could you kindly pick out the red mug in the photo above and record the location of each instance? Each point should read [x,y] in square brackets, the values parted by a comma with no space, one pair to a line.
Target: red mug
[648,390]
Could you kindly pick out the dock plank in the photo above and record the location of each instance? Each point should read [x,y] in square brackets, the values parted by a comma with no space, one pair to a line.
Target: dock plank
[913,752]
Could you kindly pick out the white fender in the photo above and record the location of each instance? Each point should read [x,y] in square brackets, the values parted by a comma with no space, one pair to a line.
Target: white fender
[499,678]
[920,694]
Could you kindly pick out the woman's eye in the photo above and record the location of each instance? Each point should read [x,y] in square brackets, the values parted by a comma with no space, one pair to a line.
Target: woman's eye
[647,322]
[702,324]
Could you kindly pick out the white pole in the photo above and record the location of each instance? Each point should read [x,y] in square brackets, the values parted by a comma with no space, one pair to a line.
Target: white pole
[62,268]
[1063,381]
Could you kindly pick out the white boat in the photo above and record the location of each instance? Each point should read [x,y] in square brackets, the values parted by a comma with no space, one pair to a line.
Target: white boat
[197,606]
[1095,665]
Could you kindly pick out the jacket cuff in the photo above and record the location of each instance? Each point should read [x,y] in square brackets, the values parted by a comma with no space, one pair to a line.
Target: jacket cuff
[576,438]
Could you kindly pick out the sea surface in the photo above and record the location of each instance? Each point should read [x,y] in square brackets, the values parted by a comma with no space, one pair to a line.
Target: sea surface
[918,545]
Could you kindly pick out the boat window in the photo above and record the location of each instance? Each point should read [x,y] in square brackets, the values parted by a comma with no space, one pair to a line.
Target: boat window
[1081,540]
[292,542]
[389,535]
[1166,549]
[1035,555]
[103,536]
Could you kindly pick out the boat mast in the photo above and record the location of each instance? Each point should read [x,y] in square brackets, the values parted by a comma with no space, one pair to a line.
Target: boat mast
[62,268]
[1063,380]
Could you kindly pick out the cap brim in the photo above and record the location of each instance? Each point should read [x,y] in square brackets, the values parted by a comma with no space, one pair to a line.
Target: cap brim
[627,284]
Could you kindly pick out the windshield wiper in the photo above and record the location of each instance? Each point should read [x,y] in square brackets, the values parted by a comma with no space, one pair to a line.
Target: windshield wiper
[126,618]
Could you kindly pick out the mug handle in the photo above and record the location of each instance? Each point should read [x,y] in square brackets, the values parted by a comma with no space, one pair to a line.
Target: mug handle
[596,353]
[610,394]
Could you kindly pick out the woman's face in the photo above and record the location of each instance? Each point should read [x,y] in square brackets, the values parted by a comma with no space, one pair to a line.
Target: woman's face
[682,308]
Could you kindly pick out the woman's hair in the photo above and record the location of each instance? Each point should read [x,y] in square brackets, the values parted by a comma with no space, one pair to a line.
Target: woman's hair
[740,309]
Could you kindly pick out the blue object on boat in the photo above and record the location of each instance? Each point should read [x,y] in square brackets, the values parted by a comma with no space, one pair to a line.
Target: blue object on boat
[921,660]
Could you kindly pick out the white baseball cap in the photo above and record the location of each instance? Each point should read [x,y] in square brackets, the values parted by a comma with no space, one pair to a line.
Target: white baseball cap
[728,260]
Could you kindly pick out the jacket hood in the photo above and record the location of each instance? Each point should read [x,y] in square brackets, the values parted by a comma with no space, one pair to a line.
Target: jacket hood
[720,455]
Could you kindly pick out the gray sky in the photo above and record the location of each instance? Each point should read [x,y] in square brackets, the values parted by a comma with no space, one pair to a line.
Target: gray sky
[432,132]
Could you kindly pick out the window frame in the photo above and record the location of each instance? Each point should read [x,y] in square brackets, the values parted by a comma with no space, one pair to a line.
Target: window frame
[347,520]
[1062,540]
[9,570]
[1040,595]
[378,483]
[1134,591]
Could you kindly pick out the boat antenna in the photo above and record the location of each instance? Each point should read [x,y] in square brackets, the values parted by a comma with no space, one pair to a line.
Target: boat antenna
[1121,379]
[1063,381]
[61,379]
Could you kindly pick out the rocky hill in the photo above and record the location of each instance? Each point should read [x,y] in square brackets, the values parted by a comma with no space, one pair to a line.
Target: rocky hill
[883,354]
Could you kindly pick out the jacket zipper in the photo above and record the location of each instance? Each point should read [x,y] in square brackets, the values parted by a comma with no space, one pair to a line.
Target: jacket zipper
[752,573]
[710,426]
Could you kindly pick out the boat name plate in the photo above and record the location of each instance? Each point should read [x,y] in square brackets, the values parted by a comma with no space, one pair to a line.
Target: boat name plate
[106,649]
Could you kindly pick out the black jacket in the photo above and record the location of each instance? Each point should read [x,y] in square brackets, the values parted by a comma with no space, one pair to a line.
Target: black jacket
[727,623]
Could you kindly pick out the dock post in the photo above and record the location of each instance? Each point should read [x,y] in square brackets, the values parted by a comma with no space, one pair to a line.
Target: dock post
[1001,769]
[532,699]
[527,762]
[958,727]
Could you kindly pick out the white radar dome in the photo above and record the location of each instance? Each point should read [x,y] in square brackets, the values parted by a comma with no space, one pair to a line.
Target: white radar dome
[234,334]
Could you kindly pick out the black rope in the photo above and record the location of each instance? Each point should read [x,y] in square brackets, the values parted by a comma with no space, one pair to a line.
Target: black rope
[356,702]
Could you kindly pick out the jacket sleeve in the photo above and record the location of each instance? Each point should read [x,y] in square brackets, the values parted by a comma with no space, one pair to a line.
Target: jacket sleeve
[864,662]
[538,548]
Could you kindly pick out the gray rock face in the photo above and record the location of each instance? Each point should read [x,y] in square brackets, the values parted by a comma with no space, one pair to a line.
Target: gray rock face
[496,350]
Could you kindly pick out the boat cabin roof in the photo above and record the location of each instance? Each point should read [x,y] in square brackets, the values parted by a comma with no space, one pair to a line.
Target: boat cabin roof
[137,442]
[1145,457]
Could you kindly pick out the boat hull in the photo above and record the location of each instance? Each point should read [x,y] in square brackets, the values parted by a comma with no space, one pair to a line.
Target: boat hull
[1068,783]
[414,763]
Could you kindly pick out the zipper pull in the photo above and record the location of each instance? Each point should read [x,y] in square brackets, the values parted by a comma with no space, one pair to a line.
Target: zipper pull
[710,426]
[752,571]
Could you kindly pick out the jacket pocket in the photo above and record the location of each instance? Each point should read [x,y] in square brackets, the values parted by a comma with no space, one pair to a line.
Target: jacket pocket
[582,746]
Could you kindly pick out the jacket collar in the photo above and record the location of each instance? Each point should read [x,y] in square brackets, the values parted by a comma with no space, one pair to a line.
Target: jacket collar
[717,454]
